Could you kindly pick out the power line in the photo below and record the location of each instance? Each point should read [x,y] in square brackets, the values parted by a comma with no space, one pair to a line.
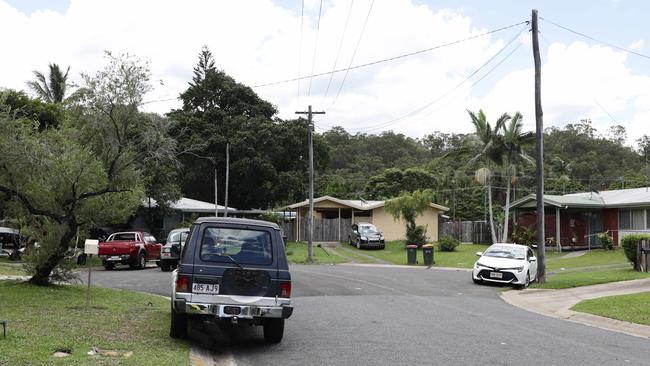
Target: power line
[595,39]
[338,53]
[447,93]
[356,48]
[313,61]
[391,58]
[302,20]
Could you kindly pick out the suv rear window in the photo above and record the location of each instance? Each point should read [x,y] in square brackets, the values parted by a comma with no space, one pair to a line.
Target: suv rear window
[123,237]
[243,245]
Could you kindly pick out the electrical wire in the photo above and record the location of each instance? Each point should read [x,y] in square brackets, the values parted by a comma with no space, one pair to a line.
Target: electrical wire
[447,93]
[338,53]
[356,48]
[313,61]
[302,20]
[595,39]
[391,58]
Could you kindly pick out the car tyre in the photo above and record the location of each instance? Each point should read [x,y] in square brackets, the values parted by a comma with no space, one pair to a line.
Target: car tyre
[109,266]
[15,255]
[358,244]
[140,262]
[477,282]
[273,330]
[178,325]
[165,266]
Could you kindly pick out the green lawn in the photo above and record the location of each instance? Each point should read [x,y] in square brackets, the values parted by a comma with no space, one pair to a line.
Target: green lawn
[11,270]
[463,257]
[297,253]
[596,257]
[585,278]
[42,320]
[631,308]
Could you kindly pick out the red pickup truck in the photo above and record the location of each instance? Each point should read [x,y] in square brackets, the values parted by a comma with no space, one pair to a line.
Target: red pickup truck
[134,248]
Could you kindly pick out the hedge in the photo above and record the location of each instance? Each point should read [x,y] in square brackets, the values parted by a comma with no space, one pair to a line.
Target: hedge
[629,243]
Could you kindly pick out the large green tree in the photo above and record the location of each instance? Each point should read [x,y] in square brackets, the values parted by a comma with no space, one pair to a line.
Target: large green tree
[268,156]
[89,171]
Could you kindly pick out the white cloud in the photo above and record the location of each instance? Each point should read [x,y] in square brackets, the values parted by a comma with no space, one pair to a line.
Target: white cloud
[256,41]
[637,45]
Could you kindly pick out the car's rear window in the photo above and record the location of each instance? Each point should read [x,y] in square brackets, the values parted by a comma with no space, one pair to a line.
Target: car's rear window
[123,237]
[245,246]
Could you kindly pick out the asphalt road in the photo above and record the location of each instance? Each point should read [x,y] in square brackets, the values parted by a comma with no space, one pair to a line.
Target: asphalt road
[351,315]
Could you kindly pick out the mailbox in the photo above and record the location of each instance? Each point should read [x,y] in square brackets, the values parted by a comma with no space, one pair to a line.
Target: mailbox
[92,246]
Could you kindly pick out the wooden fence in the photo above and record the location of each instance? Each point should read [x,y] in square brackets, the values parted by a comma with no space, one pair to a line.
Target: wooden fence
[466,231]
[324,229]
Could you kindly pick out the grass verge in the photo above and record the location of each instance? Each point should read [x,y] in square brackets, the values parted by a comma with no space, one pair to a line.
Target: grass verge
[297,253]
[585,278]
[11,270]
[42,320]
[630,308]
[593,258]
[463,257]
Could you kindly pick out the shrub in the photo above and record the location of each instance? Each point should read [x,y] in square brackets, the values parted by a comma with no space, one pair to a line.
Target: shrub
[606,240]
[629,243]
[448,243]
[416,235]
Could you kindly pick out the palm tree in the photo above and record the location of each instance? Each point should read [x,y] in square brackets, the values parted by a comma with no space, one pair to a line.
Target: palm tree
[491,152]
[502,147]
[53,88]
[514,141]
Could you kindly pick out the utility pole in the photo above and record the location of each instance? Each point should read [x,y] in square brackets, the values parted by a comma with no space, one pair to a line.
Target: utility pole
[225,212]
[310,219]
[539,149]
[216,205]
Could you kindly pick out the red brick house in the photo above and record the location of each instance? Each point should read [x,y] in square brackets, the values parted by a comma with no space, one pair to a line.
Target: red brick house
[577,218]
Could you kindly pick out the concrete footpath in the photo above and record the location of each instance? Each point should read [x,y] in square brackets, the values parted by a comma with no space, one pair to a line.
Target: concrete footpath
[558,303]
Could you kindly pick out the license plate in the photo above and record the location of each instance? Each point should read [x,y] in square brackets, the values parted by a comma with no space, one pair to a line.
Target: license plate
[205,288]
[115,258]
[166,255]
[496,275]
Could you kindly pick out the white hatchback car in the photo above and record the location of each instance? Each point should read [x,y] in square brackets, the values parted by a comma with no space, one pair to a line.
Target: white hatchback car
[506,263]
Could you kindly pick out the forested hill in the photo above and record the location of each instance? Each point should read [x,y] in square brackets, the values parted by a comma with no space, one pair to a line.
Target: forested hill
[577,158]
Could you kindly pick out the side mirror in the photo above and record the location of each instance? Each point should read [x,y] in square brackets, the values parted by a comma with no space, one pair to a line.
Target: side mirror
[479,253]
[533,259]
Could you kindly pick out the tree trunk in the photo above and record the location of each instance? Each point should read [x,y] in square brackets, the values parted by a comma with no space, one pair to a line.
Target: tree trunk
[492,231]
[507,213]
[43,270]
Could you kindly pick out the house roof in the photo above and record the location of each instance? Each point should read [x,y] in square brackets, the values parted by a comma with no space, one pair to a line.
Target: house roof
[361,205]
[189,205]
[238,221]
[634,197]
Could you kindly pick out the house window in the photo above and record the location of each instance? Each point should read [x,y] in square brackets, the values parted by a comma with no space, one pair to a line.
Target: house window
[632,219]
[624,219]
[638,219]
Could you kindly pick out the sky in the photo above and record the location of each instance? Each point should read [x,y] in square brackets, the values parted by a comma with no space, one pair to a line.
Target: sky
[265,41]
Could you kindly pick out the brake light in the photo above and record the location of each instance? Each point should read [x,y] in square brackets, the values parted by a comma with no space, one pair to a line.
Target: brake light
[285,289]
[182,284]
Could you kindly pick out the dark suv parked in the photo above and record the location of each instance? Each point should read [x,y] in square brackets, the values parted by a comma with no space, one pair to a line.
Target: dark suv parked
[232,270]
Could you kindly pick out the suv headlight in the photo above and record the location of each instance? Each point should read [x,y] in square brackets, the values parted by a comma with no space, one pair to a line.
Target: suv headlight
[364,238]
[479,264]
